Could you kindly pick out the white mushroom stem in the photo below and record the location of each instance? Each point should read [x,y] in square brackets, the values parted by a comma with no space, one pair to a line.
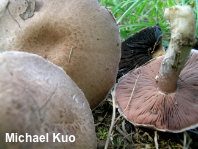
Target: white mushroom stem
[183,28]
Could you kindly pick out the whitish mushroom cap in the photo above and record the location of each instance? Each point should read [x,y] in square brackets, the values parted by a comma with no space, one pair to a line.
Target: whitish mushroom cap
[37,97]
[81,36]
[148,107]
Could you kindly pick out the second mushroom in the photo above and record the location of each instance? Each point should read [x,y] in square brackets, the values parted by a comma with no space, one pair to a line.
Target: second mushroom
[163,94]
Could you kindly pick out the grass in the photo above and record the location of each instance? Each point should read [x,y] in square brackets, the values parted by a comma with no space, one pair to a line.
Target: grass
[102,133]
[133,15]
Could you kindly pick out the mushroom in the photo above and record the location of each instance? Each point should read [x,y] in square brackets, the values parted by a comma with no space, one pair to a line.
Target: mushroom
[163,93]
[37,98]
[140,48]
[80,36]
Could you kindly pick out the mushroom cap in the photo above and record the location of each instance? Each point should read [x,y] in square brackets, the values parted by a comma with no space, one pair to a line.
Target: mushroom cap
[37,97]
[80,36]
[140,48]
[148,107]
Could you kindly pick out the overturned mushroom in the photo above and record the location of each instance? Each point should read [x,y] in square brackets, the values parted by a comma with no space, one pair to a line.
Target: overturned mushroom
[80,36]
[163,94]
[38,98]
[140,48]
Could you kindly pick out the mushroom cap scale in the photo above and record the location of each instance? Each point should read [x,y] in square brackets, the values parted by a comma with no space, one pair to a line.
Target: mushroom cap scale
[80,36]
[37,97]
[148,107]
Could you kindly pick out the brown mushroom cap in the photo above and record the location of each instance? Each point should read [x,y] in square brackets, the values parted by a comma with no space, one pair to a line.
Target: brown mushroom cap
[37,97]
[148,107]
[81,36]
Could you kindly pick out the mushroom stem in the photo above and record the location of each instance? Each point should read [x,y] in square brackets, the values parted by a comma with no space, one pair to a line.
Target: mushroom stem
[183,29]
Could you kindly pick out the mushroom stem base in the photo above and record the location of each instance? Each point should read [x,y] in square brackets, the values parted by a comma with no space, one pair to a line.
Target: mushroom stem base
[167,87]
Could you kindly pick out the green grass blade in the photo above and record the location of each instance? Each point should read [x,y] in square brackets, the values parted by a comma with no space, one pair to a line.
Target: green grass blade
[117,8]
[196,5]
[127,3]
[183,2]
[129,10]
[115,2]
[139,10]
[123,34]
[155,3]
[142,7]
[136,25]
